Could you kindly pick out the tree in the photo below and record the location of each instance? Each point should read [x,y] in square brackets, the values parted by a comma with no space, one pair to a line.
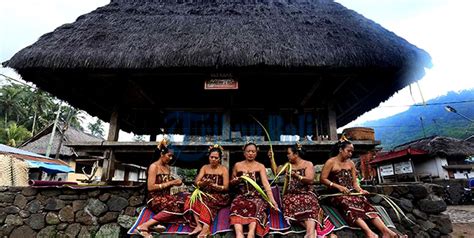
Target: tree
[13,135]
[40,104]
[10,101]
[96,128]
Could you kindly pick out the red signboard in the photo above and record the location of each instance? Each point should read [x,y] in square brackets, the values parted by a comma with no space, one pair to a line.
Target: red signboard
[221,81]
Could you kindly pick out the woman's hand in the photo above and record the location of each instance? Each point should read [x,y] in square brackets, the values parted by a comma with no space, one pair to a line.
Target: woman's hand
[235,180]
[343,189]
[176,182]
[205,183]
[270,154]
[272,200]
[363,191]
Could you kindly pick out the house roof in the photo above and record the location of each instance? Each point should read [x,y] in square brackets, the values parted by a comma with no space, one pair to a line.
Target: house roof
[28,155]
[386,156]
[39,142]
[441,146]
[136,55]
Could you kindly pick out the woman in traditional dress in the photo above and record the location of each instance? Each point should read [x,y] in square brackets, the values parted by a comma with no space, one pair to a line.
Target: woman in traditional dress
[339,174]
[213,180]
[161,202]
[300,202]
[248,207]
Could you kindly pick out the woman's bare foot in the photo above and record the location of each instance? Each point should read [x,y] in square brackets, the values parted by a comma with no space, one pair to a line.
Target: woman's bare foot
[144,232]
[205,231]
[196,230]
[371,235]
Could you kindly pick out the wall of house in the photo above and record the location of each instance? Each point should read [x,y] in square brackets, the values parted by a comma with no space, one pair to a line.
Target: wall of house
[110,212]
[432,167]
[461,173]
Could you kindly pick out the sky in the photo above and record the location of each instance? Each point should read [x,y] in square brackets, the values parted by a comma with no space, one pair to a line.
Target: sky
[441,27]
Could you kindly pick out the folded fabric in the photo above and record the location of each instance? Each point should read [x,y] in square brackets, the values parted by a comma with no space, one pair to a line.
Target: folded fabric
[49,183]
[221,224]
[336,218]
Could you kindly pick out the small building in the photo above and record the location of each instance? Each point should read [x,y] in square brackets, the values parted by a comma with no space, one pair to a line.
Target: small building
[434,157]
[17,166]
[82,164]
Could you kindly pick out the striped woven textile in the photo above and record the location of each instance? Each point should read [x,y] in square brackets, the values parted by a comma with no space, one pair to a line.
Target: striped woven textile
[339,223]
[219,225]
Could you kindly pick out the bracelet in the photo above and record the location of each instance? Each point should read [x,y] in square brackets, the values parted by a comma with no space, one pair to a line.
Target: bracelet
[159,186]
[330,185]
[300,177]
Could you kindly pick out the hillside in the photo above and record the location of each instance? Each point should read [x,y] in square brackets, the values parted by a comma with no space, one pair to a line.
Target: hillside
[407,126]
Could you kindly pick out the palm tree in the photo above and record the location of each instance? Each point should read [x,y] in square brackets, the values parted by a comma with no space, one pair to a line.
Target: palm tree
[10,101]
[40,103]
[14,135]
[96,128]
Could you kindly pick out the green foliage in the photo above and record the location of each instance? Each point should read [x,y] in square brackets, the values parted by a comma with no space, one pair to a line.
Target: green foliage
[25,108]
[13,135]
[96,128]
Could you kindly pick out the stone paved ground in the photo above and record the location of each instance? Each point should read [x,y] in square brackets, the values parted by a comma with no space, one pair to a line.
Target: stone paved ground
[463,220]
[461,214]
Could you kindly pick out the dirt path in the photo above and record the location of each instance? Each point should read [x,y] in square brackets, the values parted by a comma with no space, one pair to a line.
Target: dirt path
[463,220]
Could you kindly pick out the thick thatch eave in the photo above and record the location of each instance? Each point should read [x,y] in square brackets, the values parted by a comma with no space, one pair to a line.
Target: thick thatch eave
[149,34]
[119,55]
[441,146]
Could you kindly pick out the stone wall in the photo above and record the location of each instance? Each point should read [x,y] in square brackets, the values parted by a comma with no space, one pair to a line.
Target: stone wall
[422,203]
[64,212]
[110,212]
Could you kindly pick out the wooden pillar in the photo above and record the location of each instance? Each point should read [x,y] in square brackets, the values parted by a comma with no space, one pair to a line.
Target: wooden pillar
[108,169]
[332,125]
[316,126]
[225,158]
[226,126]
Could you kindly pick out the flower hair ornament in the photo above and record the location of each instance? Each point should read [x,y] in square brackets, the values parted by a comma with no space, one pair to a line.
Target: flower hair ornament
[162,144]
[216,146]
[343,138]
[299,146]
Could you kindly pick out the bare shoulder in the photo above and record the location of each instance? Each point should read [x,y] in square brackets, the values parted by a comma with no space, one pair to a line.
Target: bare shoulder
[205,167]
[330,161]
[238,165]
[308,163]
[260,165]
[223,169]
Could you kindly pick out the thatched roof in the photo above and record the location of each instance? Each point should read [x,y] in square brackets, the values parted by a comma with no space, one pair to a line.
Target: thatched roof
[441,146]
[39,142]
[148,34]
[124,52]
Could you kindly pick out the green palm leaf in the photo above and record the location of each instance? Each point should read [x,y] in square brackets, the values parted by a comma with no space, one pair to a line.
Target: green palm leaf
[197,195]
[258,189]
[266,133]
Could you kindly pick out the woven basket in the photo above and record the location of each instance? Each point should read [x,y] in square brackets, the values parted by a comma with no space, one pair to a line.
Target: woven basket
[359,133]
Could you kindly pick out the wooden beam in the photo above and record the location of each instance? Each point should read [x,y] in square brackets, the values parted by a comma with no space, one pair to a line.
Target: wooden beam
[108,168]
[141,92]
[340,86]
[114,126]
[311,92]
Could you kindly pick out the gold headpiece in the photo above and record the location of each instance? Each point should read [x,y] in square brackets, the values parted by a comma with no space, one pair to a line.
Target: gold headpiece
[299,146]
[216,146]
[343,138]
[162,144]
